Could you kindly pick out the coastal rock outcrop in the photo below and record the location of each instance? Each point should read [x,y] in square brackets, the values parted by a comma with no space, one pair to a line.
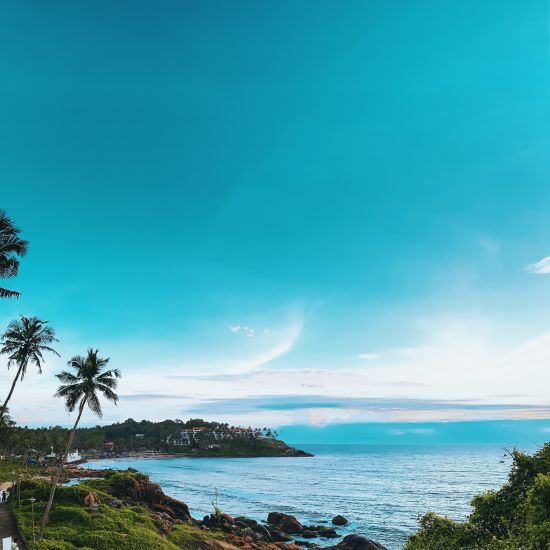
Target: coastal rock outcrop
[292,451]
[139,488]
[356,542]
[285,523]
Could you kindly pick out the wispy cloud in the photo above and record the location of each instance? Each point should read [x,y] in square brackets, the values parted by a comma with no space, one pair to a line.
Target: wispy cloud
[415,431]
[249,331]
[369,356]
[542,267]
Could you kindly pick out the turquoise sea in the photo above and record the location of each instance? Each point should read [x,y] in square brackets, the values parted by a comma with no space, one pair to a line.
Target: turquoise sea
[380,488]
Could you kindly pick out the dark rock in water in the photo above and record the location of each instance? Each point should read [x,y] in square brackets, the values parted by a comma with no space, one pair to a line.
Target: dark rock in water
[308,534]
[284,522]
[339,520]
[132,470]
[356,542]
[292,451]
[306,544]
[278,536]
[247,521]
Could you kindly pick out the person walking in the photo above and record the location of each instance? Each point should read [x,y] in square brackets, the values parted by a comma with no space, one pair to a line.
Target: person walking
[3,496]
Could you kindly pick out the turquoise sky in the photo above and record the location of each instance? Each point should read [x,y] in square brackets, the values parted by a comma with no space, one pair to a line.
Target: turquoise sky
[285,212]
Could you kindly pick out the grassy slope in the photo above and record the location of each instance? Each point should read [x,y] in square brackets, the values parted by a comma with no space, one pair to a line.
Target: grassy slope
[72,525]
[7,467]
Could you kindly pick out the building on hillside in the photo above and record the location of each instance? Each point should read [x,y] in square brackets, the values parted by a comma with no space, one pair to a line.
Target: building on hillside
[219,433]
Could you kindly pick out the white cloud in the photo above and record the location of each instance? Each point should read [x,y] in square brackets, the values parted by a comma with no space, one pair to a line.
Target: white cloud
[541,267]
[249,331]
[415,431]
[368,356]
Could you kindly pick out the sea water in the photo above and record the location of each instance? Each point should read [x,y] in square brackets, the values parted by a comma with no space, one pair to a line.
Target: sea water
[380,489]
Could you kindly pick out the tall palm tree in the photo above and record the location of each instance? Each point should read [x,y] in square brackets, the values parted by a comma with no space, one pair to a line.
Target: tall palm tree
[12,247]
[79,390]
[24,341]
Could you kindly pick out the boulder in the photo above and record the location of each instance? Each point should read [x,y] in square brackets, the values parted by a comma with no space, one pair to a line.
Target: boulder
[285,522]
[356,542]
[339,520]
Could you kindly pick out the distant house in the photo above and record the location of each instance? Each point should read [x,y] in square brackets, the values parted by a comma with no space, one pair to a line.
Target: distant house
[140,436]
[108,445]
[219,433]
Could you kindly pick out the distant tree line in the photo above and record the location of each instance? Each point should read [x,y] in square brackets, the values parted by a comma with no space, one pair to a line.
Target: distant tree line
[130,435]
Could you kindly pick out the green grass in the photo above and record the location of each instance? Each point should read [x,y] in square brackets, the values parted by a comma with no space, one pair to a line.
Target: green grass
[73,526]
[7,467]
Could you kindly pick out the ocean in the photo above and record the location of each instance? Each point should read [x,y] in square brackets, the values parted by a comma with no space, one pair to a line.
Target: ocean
[380,488]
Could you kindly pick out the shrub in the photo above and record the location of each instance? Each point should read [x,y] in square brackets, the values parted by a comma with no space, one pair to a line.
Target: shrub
[516,517]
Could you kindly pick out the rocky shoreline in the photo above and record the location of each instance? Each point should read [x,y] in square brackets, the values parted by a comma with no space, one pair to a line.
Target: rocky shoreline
[278,531]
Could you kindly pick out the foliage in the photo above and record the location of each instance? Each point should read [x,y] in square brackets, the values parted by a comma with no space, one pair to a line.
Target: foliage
[8,467]
[516,517]
[12,247]
[73,526]
[80,389]
[24,342]
[188,537]
[123,434]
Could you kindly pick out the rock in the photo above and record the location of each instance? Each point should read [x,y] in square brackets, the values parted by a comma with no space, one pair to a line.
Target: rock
[292,451]
[308,534]
[339,520]
[140,489]
[278,536]
[285,522]
[132,470]
[356,542]
[114,503]
[262,532]
[247,521]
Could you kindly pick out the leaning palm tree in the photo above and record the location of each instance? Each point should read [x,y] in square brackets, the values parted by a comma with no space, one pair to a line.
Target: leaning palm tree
[79,390]
[24,342]
[12,247]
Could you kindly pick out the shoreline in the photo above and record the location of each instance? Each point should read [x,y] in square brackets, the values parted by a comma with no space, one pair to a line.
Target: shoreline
[291,452]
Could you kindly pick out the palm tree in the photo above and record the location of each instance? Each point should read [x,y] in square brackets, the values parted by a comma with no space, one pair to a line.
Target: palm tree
[11,249]
[25,340]
[79,390]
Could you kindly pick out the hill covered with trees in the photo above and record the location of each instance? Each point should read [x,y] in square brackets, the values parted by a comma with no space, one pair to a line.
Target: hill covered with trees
[194,437]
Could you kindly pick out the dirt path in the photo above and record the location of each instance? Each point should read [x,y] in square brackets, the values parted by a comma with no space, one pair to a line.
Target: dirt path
[7,523]
[8,526]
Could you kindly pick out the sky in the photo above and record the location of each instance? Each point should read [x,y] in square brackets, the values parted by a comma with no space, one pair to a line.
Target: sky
[293,213]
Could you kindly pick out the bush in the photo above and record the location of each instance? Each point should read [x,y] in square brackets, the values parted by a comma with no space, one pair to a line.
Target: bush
[516,517]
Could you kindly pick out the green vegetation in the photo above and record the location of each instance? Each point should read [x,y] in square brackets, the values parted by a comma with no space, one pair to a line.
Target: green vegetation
[81,389]
[153,436]
[12,247]
[517,517]
[24,342]
[72,525]
[8,467]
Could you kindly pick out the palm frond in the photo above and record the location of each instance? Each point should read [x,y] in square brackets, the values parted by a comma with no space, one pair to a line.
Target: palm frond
[94,404]
[87,381]
[5,293]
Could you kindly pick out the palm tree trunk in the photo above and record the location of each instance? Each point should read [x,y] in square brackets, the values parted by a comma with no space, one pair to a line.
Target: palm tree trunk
[5,405]
[45,517]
